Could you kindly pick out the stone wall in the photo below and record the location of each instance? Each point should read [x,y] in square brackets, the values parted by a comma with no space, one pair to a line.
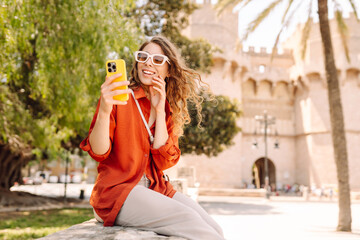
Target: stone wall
[290,88]
[95,230]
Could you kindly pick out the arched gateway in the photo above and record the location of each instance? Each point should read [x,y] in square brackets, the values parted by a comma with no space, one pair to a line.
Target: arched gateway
[258,173]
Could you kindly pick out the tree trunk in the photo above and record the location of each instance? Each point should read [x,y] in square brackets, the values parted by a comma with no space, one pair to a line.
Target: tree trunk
[337,121]
[13,157]
[11,162]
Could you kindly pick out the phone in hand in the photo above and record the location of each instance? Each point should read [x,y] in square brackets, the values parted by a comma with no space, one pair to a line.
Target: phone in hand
[115,67]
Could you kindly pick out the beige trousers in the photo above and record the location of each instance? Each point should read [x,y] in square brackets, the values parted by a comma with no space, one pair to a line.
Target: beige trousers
[178,216]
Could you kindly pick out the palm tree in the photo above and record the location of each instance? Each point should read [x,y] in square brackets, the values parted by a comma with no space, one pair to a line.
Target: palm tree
[335,106]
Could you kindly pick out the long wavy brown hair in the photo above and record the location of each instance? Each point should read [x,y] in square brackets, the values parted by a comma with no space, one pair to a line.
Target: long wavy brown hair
[182,85]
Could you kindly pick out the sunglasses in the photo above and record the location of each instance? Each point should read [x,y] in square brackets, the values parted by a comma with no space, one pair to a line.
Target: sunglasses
[157,59]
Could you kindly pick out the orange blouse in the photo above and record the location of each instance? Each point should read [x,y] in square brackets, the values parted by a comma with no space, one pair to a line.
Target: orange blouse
[130,156]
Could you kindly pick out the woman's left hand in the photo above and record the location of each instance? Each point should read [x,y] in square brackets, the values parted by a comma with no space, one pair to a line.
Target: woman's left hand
[158,94]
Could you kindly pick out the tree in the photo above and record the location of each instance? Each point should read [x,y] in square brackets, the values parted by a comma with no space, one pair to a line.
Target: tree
[52,63]
[51,69]
[218,127]
[169,18]
[337,121]
[336,112]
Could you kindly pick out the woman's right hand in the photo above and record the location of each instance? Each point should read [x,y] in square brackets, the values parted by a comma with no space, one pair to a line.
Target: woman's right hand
[108,92]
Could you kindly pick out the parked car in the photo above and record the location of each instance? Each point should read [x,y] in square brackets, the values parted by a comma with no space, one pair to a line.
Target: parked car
[62,178]
[43,174]
[53,179]
[33,180]
[76,177]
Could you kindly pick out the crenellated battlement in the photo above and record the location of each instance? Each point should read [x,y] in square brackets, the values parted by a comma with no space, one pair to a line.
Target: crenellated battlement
[267,52]
[292,89]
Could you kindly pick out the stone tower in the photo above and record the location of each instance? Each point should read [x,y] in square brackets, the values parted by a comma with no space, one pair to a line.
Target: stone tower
[291,89]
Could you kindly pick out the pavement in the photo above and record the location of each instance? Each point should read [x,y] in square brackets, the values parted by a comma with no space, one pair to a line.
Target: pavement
[279,218]
[57,189]
[253,218]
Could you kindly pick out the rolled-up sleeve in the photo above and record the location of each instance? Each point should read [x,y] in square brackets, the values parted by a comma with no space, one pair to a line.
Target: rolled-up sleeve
[85,144]
[169,154]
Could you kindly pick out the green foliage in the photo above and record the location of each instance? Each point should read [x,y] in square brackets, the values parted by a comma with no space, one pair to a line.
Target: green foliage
[218,127]
[30,225]
[157,15]
[52,65]
[197,53]
[169,18]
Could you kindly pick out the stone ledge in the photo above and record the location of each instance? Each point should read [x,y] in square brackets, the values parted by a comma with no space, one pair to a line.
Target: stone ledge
[94,230]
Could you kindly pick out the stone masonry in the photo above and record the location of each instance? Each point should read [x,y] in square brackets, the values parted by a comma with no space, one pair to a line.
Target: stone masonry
[94,230]
[290,88]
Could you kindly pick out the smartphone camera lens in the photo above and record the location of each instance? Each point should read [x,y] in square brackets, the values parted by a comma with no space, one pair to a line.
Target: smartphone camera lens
[109,69]
[114,67]
[109,64]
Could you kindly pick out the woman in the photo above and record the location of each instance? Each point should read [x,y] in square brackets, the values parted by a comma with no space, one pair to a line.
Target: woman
[131,189]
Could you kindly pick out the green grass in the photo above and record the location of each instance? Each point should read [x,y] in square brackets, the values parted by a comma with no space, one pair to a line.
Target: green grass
[36,224]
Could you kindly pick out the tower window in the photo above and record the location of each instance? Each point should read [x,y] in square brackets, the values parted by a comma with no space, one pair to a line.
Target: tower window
[262,68]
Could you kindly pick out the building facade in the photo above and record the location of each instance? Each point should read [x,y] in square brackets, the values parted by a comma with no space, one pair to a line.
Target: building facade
[289,88]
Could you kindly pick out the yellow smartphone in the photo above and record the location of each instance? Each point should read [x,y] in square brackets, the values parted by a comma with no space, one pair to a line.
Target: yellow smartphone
[114,67]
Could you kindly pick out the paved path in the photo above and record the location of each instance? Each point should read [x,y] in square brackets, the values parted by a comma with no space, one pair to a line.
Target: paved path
[56,189]
[280,218]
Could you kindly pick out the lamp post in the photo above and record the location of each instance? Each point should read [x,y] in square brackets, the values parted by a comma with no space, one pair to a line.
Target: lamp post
[266,120]
[66,174]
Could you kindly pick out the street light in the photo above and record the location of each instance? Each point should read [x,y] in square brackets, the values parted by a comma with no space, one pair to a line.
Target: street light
[266,120]
[66,174]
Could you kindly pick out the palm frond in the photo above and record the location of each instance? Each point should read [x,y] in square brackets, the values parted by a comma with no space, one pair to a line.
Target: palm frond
[305,36]
[284,26]
[260,18]
[343,30]
[225,4]
[353,6]
[245,4]
[306,33]
[290,2]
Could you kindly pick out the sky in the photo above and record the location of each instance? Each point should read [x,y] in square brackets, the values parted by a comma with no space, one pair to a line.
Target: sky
[266,33]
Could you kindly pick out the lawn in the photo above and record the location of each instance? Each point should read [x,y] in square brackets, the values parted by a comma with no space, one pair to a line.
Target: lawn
[37,224]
